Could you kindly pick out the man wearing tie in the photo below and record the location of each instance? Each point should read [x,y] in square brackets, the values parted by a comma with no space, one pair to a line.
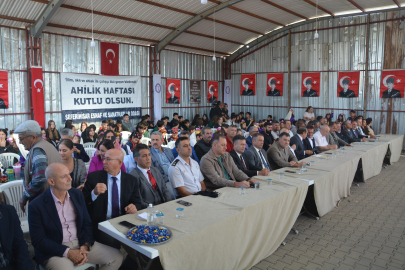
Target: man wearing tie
[309,141]
[111,193]
[351,135]
[298,140]
[152,187]
[256,157]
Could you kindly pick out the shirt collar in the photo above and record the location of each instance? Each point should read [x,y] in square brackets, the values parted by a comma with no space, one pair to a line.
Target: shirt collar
[183,161]
[143,170]
[299,136]
[118,175]
[56,199]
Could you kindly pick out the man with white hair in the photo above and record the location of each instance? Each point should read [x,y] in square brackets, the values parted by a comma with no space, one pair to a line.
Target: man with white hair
[40,155]
[321,141]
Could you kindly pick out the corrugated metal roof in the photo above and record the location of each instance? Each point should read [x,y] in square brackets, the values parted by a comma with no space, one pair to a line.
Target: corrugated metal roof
[204,43]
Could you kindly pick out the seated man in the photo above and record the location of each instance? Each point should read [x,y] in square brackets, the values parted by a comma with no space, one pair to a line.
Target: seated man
[162,157]
[293,146]
[339,133]
[239,157]
[268,138]
[309,141]
[229,137]
[184,173]
[298,141]
[218,167]
[320,139]
[252,131]
[204,145]
[78,149]
[348,133]
[280,155]
[175,153]
[275,130]
[152,186]
[333,139]
[360,130]
[256,157]
[356,132]
[61,228]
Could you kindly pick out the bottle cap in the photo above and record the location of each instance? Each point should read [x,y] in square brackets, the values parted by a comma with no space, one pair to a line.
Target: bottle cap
[150,205]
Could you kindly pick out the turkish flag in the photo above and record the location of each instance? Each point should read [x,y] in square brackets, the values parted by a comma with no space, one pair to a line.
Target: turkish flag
[392,84]
[212,91]
[173,91]
[37,93]
[110,53]
[348,84]
[275,84]
[248,85]
[310,83]
[3,90]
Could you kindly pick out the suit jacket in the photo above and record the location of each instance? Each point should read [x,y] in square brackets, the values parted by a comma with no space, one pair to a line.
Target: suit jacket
[273,93]
[308,145]
[146,190]
[312,93]
[348,94]
[98,208]
[280,158]
[46,228]
[253,159]
[394,93]
[333,139]
[174,100]
[14,247]
[249,141]
[156,161]
[350,135]
[249,92]
[300,147]
[249,172]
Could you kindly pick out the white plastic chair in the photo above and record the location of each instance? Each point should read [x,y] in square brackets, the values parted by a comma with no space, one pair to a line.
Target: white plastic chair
[7,159]
[124,141]
[123,151]
[90,152]
[22,150]
[213,130]
[12,194]
[171,144]
[246,134]
[82,267]
[89,145]
[145,141]
[150,131]
[168,136]
[125,134]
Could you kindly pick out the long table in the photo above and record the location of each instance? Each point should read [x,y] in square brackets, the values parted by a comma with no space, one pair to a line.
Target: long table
[237,231]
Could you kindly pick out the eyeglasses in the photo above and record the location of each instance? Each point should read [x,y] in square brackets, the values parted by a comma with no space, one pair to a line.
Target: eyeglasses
[22,139]
[109,159]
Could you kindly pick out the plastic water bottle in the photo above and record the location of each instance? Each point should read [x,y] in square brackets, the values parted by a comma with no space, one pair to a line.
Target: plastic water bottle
[149,216]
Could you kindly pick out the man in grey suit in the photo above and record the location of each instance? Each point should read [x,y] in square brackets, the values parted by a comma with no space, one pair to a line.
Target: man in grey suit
[256,157]
[333,139]
[280,155]
[162,157]
[152,187]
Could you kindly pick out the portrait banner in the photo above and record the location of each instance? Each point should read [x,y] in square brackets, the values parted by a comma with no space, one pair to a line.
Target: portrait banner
[173,91]
[392,84]
[110,58]
[195,92]
[310,84]
[212,92]
[348,84]
[275,84]
[3,89]
[248,85]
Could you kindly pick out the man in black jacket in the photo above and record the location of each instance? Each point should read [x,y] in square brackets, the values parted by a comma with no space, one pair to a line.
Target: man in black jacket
[217,110]
[240,158]
[298,140]
[204,145]
[309,142]
[349,134]
[268,138]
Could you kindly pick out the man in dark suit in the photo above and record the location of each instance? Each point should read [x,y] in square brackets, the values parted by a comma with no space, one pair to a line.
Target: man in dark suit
[239,157]
[173,98]
[247,91]
[256,157]
[309,142]
[273,91]
[111,193]
[391,92]
[349,134]
[78,149]
[61,229]
[309,92]
[152,187]
[249,139]
[298,140]
[346,92]
[13,248]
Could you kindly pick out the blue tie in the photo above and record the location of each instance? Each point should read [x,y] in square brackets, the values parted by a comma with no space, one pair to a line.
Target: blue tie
[263,160]
[115,211]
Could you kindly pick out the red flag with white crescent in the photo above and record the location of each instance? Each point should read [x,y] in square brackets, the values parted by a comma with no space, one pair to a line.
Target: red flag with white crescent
[37,93]
[248,85]
[392,84]
[310,84]
[212,91]
[173,91]
[110,58]
[275,84]
[348,84]
[3,90]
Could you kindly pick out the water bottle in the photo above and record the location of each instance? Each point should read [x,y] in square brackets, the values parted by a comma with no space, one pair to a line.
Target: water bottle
[149,216]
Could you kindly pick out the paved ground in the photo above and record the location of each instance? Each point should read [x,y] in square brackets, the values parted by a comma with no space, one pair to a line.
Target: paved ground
[366,231]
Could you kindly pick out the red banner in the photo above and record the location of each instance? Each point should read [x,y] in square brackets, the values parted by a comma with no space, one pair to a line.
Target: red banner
[310,84]
[348,84]
[392,84]
[212,92]
[37,92]
[110,58]
[3,90]
[173,91]
[248,84]
[275,84]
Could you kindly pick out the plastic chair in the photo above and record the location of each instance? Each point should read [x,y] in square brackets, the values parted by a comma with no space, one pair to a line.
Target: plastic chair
[171,144]
[123,151]
[125,134]
[246,134]
[90,152]
[124,141]
[12,194]
[7,159]
[168,136]
[82,267]
[145,141]
[150,131]
[213,130]
[89,145]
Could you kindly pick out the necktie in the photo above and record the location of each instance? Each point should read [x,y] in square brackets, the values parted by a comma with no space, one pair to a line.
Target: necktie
[243,163]
[115,211]
[263,160]
[355,133]
[152,180]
